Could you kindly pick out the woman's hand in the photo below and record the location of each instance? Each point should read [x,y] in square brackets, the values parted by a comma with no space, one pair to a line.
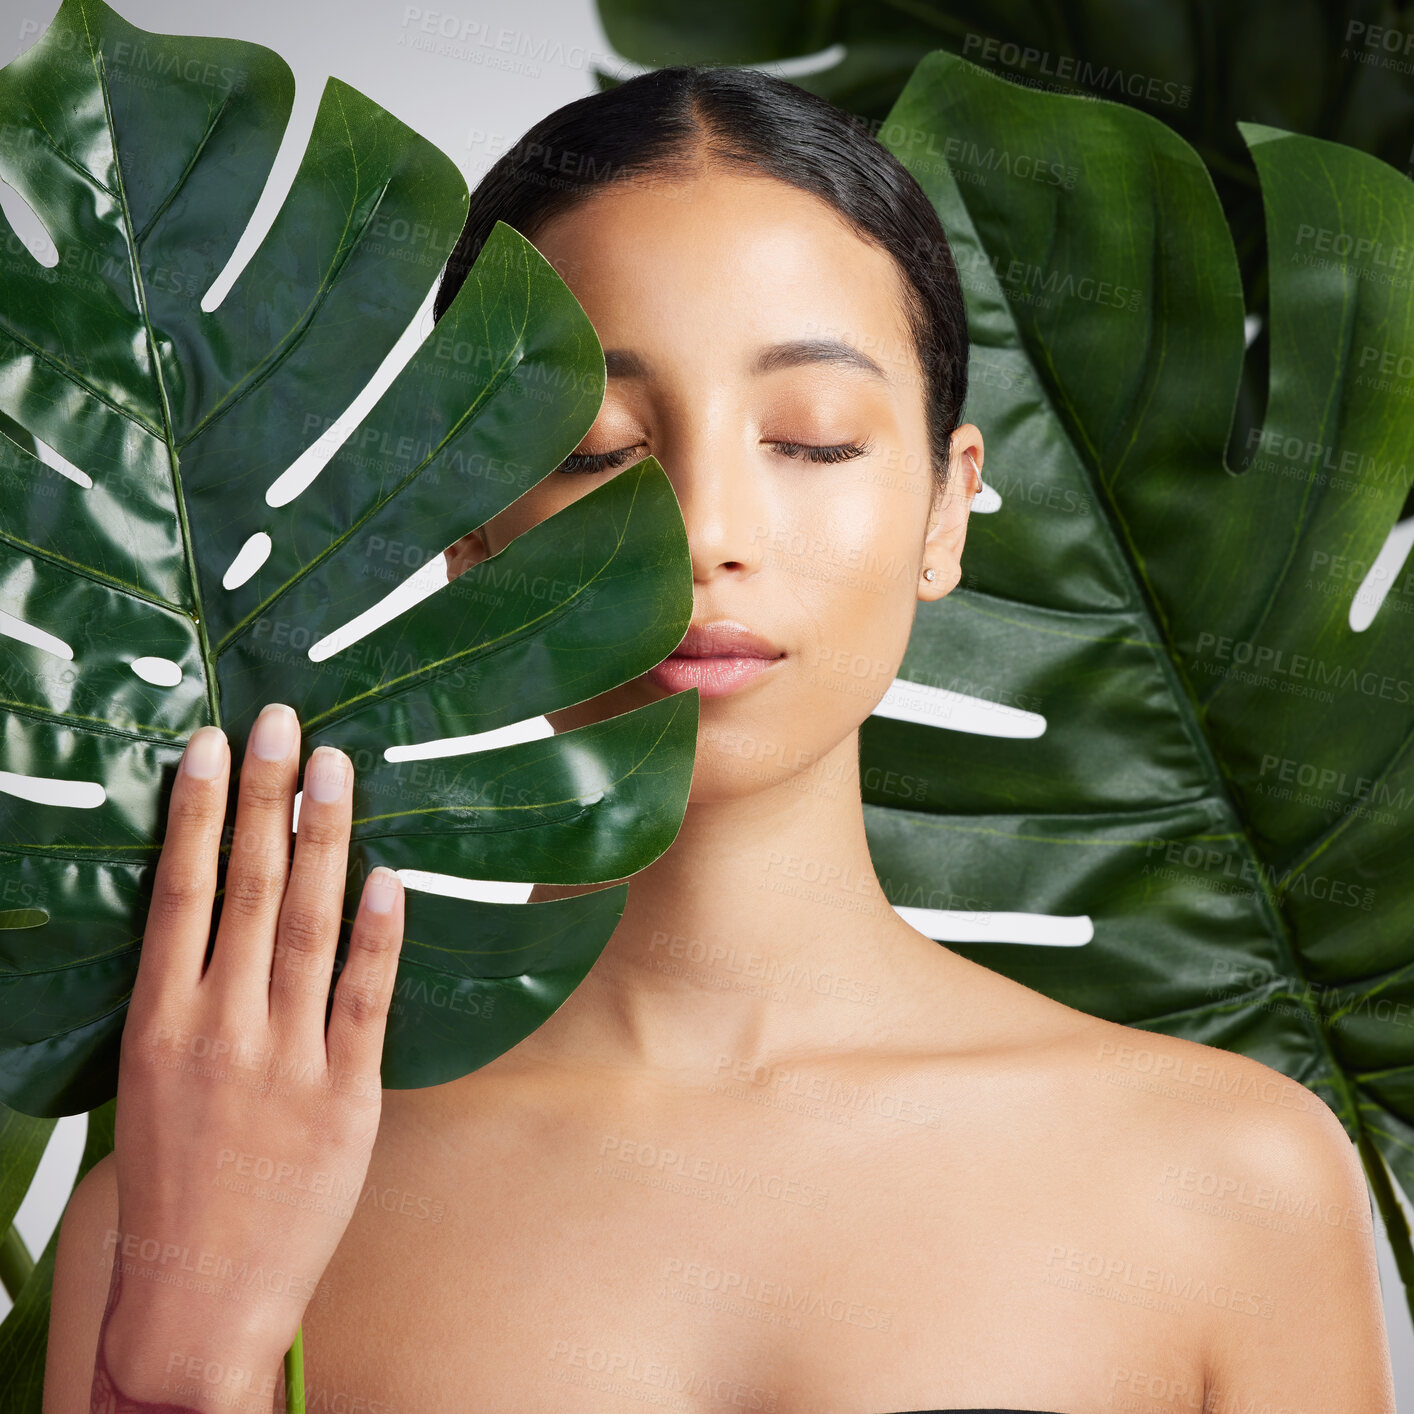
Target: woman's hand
[243,1132]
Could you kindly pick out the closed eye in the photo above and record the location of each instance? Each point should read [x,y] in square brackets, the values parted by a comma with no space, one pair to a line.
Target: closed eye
[596,461]
[604,461]
[842,452]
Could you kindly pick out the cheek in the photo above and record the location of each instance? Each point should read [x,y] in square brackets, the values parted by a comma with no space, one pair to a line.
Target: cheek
[851,566]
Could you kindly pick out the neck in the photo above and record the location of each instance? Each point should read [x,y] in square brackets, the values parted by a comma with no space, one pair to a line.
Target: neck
[761,931]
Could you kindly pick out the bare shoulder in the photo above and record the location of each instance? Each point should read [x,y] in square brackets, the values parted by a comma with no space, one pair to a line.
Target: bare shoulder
[1187,1179]
[1228,1127]
[1259,1200]
[83,1266]
[1199,1206]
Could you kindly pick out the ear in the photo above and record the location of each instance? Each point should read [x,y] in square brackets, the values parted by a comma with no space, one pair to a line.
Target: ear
[947,522]
[464,553]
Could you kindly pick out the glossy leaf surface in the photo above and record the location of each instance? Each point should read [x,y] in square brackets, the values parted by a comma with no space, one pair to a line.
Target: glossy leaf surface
[1224,779]
[143,155]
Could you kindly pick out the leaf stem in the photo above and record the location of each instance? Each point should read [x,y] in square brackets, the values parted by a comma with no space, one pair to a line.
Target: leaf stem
[294,1373]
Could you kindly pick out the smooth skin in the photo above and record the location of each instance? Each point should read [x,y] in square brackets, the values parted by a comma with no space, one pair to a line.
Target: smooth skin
[780,1150]
[226,1070]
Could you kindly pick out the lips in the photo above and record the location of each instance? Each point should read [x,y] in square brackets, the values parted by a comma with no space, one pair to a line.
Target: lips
[724,639]
[716,659]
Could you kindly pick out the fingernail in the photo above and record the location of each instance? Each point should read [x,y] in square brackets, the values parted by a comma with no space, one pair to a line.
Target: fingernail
[274,736]
[205,753]
[382,890]
[326,773]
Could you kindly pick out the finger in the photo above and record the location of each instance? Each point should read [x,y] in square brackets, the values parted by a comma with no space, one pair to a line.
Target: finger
[360,1011]
[307,935]
[260,853]
[184,889]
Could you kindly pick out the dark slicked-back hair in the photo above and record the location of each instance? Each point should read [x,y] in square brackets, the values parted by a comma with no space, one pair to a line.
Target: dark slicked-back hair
[669,123]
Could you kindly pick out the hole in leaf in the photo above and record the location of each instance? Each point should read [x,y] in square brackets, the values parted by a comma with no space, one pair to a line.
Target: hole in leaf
[35,636]
[454,886]
[531,729]
[29,230]
[301,472]
[273,195]
[161,672]
[987,500]
[49,790]
[798,64]
[414,589]
[957,711]
[61,464]
[1053,930]
[38,1215]
[15,918]
[249,558]
[1382,575]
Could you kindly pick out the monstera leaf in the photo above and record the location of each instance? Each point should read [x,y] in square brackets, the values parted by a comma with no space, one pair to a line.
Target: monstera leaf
[1337,69]
[175,572]
[176,577]
[1200,750]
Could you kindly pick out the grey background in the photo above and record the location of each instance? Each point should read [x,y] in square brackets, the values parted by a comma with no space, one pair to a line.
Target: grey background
[473,97]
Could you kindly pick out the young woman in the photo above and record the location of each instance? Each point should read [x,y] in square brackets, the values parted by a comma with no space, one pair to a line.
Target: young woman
[670,1194]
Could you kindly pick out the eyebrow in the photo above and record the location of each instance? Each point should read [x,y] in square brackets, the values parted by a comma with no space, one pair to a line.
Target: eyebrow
[624,363]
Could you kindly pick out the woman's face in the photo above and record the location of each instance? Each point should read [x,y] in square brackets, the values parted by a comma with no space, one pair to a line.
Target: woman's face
[691,286]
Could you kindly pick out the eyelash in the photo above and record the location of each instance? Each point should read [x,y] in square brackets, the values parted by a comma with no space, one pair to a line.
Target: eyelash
[603,461]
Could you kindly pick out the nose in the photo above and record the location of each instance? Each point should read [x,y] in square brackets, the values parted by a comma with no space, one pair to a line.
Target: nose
[723,502]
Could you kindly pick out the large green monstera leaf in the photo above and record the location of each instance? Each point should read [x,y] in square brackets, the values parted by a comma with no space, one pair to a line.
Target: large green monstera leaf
[170,586]
[1331,68]
[1336,69]
[1198,748]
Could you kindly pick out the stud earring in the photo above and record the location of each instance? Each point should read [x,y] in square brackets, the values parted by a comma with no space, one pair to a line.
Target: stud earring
[930,574]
